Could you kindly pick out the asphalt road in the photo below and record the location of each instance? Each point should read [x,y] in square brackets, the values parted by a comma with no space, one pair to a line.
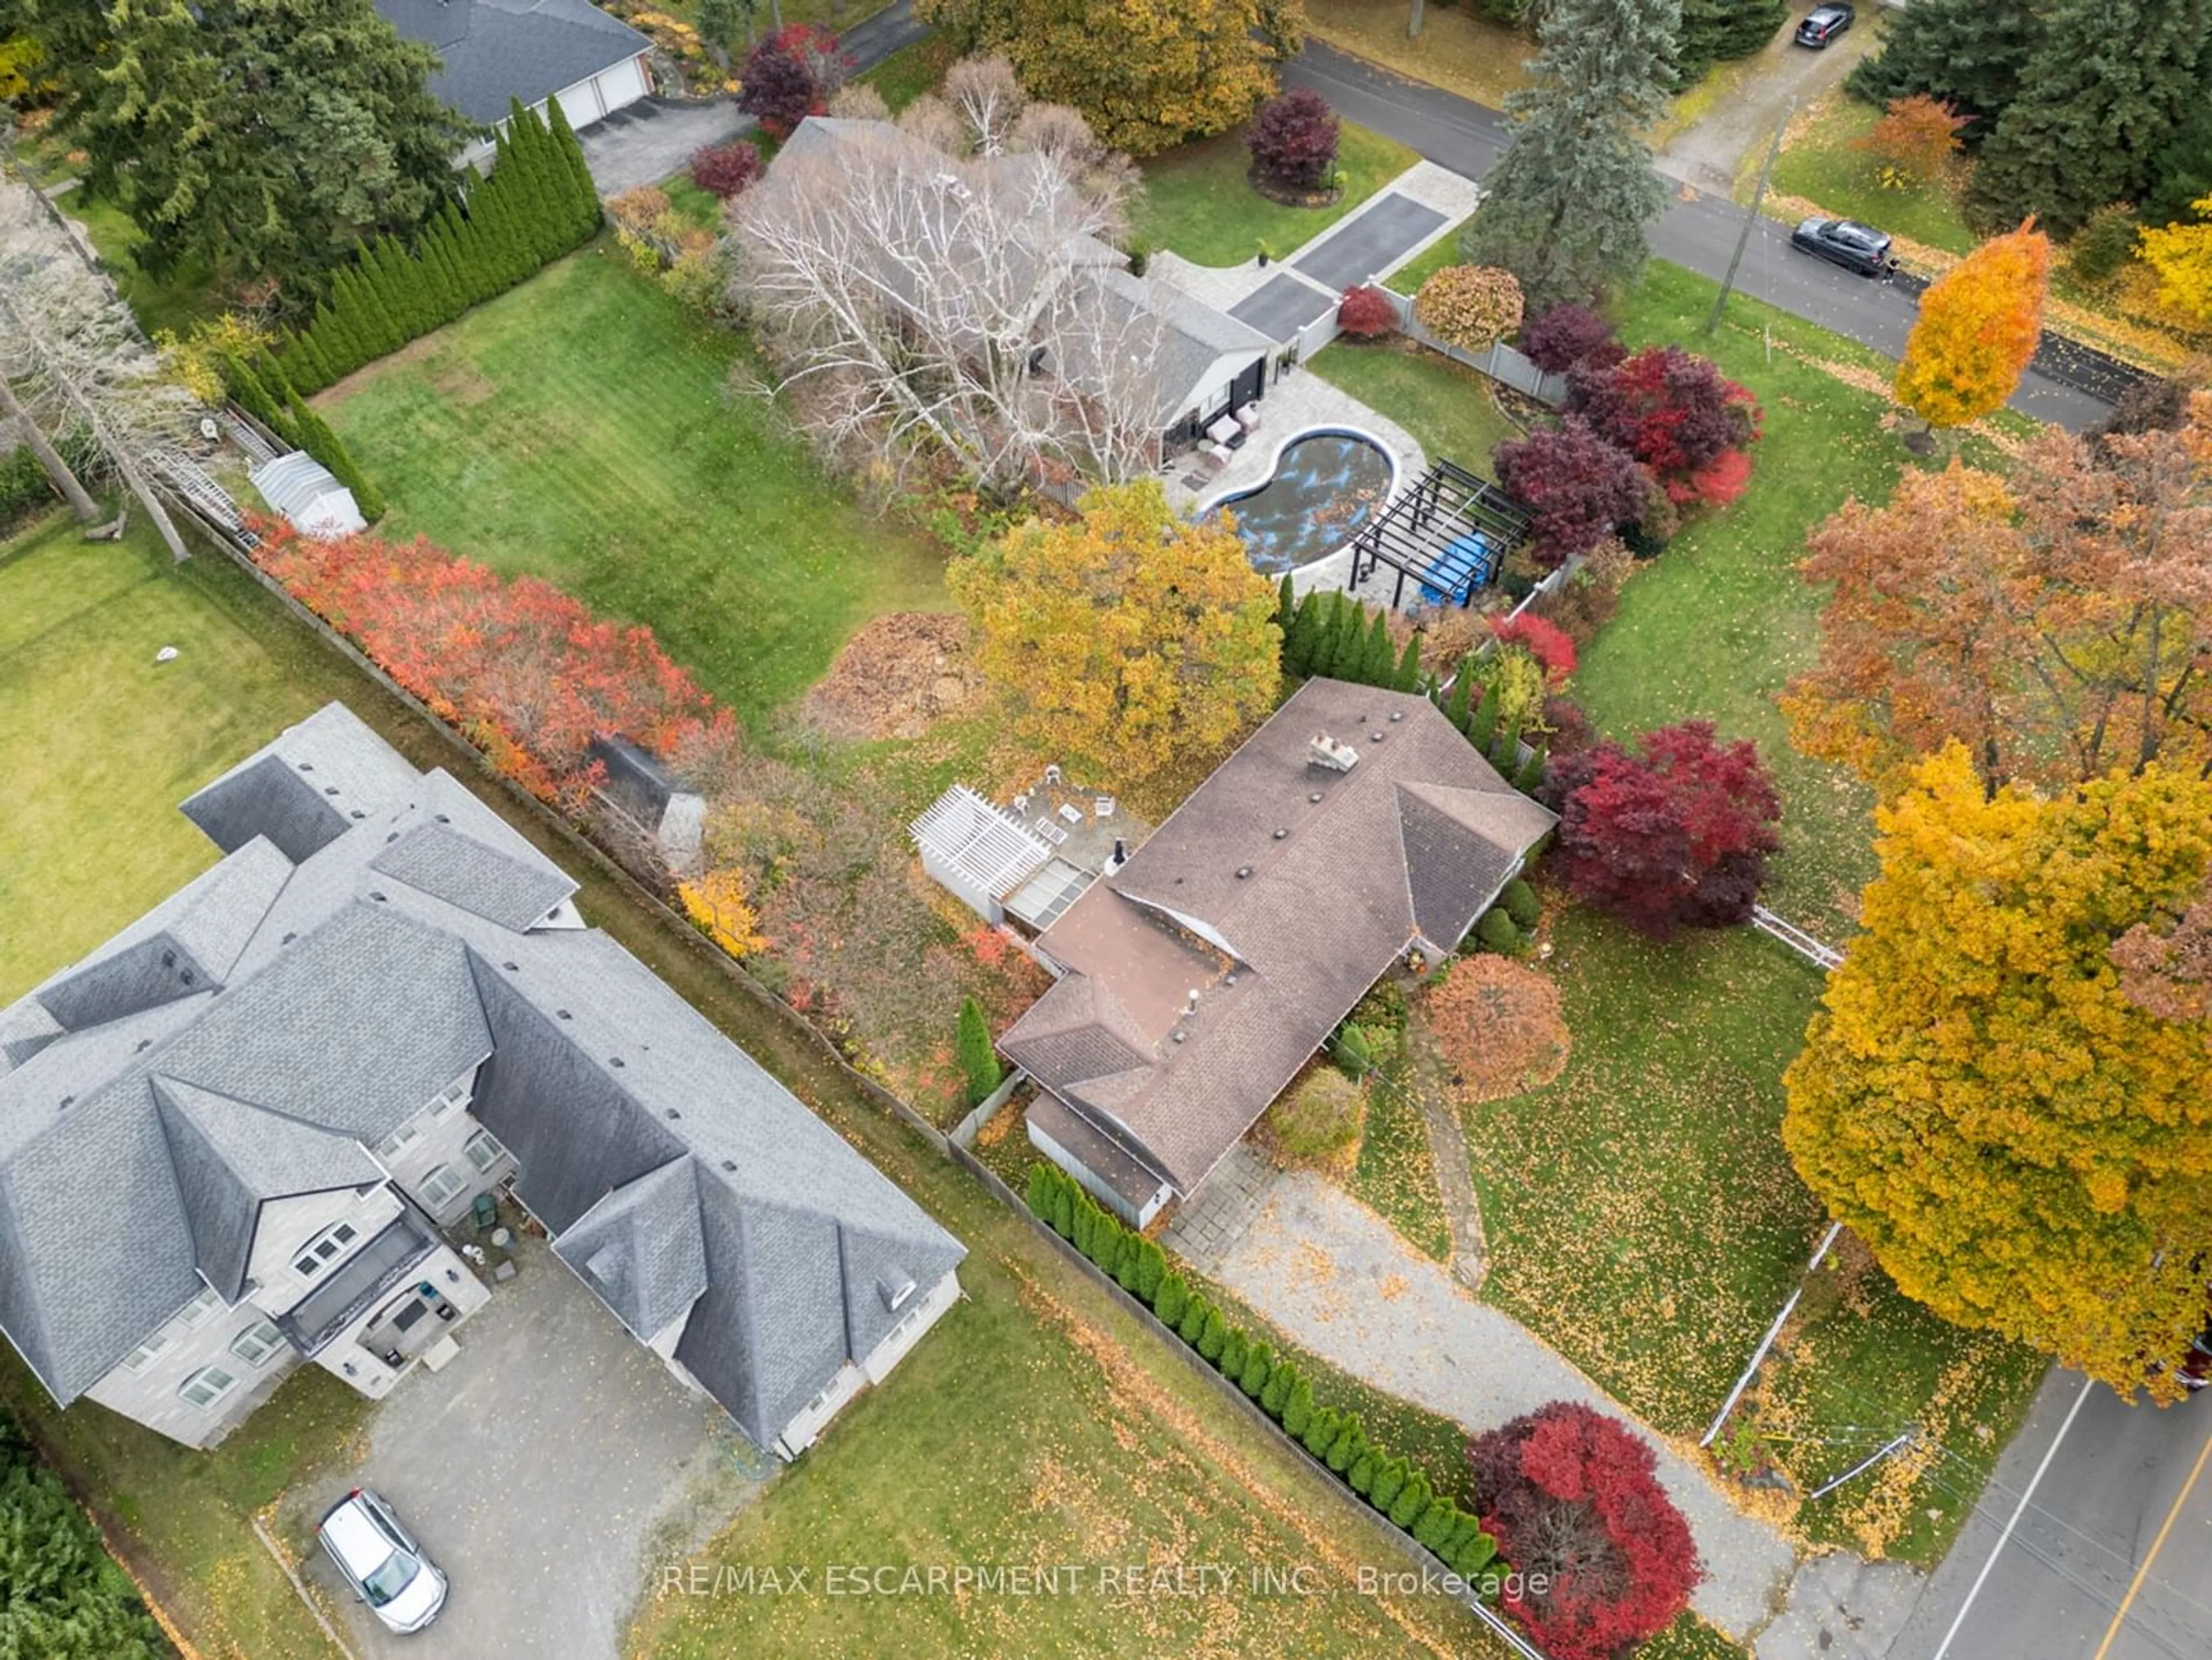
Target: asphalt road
[1697,231]
[2110,1558]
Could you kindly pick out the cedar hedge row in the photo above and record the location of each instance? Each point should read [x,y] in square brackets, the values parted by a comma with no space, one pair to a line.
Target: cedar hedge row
[1336,1438]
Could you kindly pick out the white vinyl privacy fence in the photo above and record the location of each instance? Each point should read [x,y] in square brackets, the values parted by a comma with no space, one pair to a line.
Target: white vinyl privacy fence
[1501,362]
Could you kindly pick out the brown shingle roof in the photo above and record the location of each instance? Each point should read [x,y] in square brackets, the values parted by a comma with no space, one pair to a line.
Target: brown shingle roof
[1407,846]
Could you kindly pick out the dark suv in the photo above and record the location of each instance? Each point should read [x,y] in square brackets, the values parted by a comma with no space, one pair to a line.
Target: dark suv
[1847,243]
[1823,24]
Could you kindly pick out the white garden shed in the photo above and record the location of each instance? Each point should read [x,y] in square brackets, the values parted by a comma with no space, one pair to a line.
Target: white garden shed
[307,496]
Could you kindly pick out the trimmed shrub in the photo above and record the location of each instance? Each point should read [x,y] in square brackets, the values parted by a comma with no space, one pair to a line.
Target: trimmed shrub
[1361,1475]
[1173,1299]
[979,1061]
[1235,1350]
[1563,337]
[1505,749]
[1434,1525]
[1323,1115]
[1259,1366]
[1129,1263]
[1529,777]
[1353,1053]
[724,170]
[1194,1319]
[1390,1481]
[1351,1440]
[1497,933]
[1212,1333]
[1412,1498]
[1482,725]
[1152,1270]
[1299,1408]
[1293,140]
[1275,1393]
[1063,1207]
[1520,903]
[1043,1191]
[1469,1560]
[1366,313]
[1470,307]
[1321,1430]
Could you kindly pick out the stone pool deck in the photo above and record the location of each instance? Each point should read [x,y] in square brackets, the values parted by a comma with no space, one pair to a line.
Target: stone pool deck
[1300,403]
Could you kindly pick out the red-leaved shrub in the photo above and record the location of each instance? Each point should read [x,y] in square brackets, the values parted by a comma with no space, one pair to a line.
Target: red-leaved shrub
[1602,1558]
[1674,411]
[1292,139]
[724,170]
[1567,335]
[789,77]
[1547,642]
[1579,487]
[1366,313]
[1677,836]
[525,671]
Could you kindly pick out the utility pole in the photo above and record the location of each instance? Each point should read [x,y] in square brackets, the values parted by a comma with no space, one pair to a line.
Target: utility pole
[1750,216]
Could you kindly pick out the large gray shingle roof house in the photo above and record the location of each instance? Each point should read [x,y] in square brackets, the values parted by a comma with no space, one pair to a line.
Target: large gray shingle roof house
[228,1137]
[493,51]
[1200,975]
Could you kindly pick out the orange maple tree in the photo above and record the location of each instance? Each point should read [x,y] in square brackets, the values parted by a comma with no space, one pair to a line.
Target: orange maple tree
[1978,329]
[1917,134]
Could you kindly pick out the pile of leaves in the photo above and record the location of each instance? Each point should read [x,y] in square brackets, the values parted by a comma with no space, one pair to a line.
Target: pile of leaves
[1499,1026]
[895,678]
[1604,1559]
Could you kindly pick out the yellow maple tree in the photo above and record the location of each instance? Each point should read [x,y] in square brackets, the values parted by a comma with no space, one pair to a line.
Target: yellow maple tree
[1978,328]
[2023,1148]
[2181,255]
[1127,641]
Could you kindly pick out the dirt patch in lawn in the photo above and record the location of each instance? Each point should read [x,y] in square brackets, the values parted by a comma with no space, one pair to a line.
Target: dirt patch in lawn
[896,678]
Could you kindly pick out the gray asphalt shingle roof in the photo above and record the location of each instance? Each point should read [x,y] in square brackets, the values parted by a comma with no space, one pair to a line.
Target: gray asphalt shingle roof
[136,1146]
[495,50]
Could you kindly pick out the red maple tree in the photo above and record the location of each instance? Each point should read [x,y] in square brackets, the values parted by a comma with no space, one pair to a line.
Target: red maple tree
[1602,1558]
[1579,487]
[1674,411]
[1547,642]
[1677,836]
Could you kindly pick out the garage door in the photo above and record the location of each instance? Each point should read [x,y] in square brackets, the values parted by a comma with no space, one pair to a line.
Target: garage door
[581,103]
[623,84]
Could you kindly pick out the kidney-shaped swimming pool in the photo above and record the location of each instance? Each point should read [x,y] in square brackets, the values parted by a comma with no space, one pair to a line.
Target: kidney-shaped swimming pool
[1327,484]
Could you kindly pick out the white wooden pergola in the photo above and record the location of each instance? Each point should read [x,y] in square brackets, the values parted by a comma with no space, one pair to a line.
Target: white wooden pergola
[979,852]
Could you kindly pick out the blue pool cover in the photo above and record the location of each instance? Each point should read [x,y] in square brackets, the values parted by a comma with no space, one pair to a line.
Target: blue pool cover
[1466,565]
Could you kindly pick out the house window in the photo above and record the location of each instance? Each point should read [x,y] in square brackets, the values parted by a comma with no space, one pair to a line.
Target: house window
[323,1250]
[441,1184]
[455,1095]
[397,1142]
[483,1151]
[200,1307]
[207,1386]
[256,1343]
[141,1357]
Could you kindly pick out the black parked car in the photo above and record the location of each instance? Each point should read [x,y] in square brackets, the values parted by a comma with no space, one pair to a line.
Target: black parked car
[1823,24]
[1847,243]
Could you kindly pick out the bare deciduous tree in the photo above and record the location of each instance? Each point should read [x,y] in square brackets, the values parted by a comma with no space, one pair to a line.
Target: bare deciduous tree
[916,300]
[72,358]
[989,97]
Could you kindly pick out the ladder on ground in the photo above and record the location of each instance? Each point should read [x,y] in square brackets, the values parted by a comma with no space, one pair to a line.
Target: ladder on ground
[209,502]
[243,433]
[1820,955]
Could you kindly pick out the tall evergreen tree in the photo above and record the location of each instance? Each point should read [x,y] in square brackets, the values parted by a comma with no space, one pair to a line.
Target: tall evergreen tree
[1304,633]
[1459,707]
[1716,30]
[2109,86]
[1969,54]
[583,191]
[1377,663]
[1571,198]
[1408,675]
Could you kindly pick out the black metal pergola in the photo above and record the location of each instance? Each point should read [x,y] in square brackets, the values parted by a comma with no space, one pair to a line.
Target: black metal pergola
[1450,533]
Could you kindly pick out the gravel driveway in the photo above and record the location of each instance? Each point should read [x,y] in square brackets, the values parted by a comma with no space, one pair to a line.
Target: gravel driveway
[547,1469]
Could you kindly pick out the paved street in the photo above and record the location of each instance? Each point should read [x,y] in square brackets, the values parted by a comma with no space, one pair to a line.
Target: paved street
[1697,231]
[2110,1558]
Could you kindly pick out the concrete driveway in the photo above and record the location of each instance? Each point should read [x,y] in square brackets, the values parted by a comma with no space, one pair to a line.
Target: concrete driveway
[1712,150]
[645,142]
[546,1469]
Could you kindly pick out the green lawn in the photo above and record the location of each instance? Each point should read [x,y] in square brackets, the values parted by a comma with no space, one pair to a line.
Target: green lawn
[1641,1212]
[582,428]
[1038,1424]
[913,70]
[1408,278]
[1820,164]
[1197,202]
[1447,407]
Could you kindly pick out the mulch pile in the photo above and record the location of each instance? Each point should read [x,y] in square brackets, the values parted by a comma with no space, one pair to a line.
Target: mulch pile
[895,678]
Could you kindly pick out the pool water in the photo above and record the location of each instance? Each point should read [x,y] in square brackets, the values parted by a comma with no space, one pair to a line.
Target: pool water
[1326,486]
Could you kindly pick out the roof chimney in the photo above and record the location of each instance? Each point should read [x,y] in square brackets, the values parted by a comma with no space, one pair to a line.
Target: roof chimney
[1191,1007]
[1325,751]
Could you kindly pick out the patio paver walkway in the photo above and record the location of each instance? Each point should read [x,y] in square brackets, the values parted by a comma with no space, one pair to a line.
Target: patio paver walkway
[1332,1274]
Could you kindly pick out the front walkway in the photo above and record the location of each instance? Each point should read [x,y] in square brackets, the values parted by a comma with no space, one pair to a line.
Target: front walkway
[1331,1273]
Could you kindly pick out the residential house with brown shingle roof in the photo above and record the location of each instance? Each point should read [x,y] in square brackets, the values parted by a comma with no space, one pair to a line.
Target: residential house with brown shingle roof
[1356,827]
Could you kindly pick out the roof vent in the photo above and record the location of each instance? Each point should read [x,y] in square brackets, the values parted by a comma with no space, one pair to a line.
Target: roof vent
[1325,751]
[1376,737]
[358,813]
[168,959]
[1191,1007]
[616,1060]
[1180,1036]
[442,819]
[330,789]
[730,1164]
[145,1043]
[69,1100]
[1397,714]
[1244,871]
[376,894]
[185,978]
[1315,798]
[512,968]
[1280,833]
[390,837]
[288,939]
[307,766]
[563,1014]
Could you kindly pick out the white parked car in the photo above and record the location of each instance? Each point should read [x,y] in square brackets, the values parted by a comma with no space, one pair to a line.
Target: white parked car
[381,1561]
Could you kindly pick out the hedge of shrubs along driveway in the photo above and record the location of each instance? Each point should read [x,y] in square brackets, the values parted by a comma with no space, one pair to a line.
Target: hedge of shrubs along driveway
[1336,1438]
